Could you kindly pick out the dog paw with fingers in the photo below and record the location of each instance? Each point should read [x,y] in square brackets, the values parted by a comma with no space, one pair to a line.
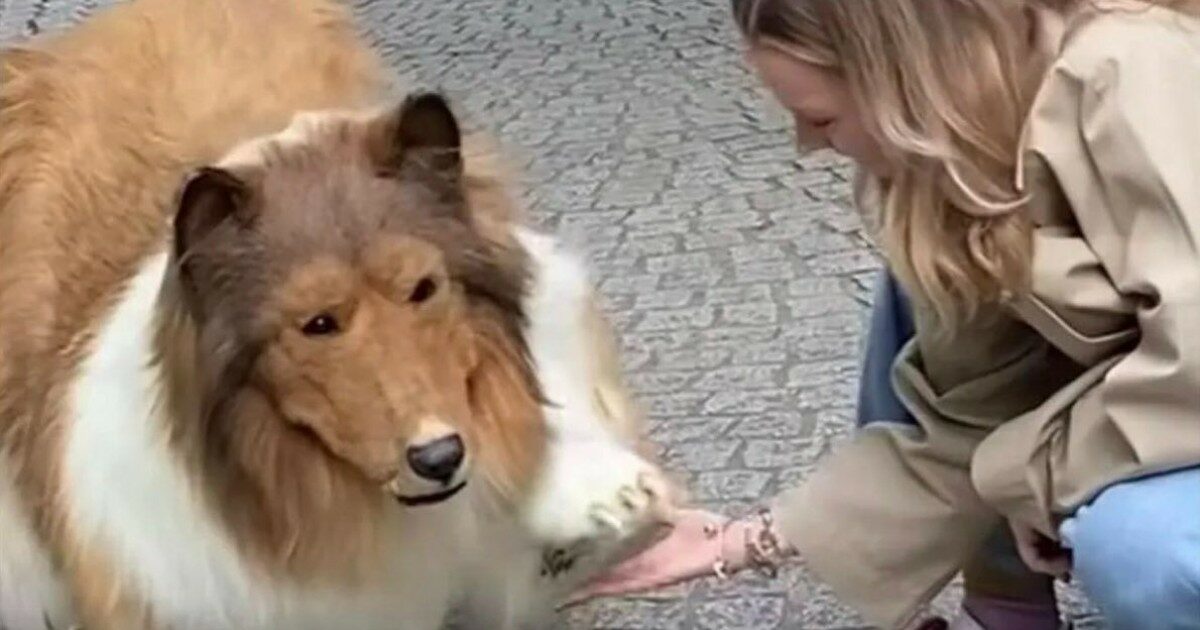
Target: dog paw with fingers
[618,528]
[598,501]
[646,501]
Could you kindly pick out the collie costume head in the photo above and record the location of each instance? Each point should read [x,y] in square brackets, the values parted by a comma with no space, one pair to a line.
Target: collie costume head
[354,327]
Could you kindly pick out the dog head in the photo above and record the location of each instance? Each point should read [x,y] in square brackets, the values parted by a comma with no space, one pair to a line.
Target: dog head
[348,304]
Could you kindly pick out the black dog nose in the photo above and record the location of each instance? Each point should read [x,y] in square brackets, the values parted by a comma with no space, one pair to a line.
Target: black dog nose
[438,460]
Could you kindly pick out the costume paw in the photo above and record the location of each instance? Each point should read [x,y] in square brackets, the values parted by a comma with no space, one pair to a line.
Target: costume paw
[643,501]
[596,499]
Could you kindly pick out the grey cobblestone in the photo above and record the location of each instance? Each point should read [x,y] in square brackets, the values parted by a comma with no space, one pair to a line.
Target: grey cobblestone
[750,613]
[670,319]
[775,426]
[739,294]
[758,353]
[717,486]
[704,428]
[672,298]
[766,270]
[694,456]
[753,314]
[703,358]
[746,402]
[775,454]
[735,270]
[823,305]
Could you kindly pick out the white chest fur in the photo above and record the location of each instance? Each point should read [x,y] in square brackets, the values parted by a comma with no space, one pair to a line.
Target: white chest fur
[127,495]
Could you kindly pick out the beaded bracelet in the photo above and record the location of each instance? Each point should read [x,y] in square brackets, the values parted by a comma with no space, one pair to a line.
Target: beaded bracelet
[765,551]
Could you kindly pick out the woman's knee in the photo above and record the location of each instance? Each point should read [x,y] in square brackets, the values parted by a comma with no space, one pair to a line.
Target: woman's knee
[1136,551]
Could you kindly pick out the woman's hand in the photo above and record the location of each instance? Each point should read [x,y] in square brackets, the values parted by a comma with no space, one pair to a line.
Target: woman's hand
[1040,553]
[692,549]
[700,543]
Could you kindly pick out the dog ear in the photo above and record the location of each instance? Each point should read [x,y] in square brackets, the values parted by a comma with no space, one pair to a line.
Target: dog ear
[421,134]
[209,196]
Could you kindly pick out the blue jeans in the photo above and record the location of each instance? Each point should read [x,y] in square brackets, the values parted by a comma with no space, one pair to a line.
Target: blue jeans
[890,327]
[1137,551]
[1136,546]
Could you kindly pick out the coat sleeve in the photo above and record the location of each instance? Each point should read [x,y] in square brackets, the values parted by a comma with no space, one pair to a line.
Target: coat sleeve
[1134,186]
[1140,123]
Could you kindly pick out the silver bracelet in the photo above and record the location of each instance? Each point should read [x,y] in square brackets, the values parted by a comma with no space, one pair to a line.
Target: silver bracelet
[765,551]
[712,530]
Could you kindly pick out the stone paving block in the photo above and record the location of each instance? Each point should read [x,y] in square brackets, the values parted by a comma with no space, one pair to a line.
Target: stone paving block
[657,226]
[747,402]
[705,277]
[703,357]
[757,252]
[766,271]
[814,242]
[815,306]
[843,263]
[776,454]
[671,319]
[758,353]
[691,430]
[722,485]
[740,335]
[671,298]
[739,220]
[708,455]
[679,262]
[630,284]
[790,226]
[823,373]
[661,382]
[814,287]
[674,405]
[741,613]
[775,426]
[616,614]
[657,341]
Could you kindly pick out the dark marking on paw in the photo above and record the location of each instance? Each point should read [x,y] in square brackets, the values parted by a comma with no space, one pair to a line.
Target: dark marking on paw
[556,561]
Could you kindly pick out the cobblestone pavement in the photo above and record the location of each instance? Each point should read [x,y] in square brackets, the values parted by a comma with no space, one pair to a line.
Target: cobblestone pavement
[737,274]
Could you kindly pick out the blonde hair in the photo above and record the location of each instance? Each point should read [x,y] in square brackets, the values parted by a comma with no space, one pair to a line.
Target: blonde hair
[946,89]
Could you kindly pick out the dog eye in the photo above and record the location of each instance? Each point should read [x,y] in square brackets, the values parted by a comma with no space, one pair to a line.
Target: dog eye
[423,291]
[323,324]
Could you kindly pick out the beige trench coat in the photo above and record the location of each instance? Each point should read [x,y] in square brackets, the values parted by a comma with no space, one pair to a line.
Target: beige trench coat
[1091,379]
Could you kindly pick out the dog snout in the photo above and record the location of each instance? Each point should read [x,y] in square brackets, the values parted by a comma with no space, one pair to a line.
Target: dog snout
[437,460]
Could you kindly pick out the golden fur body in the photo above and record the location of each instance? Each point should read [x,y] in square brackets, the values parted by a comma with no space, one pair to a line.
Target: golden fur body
[82,145]
[98,128]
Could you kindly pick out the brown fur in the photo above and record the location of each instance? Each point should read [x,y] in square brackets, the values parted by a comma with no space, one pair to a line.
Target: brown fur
[104,601]
[291,440]
[82,146]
